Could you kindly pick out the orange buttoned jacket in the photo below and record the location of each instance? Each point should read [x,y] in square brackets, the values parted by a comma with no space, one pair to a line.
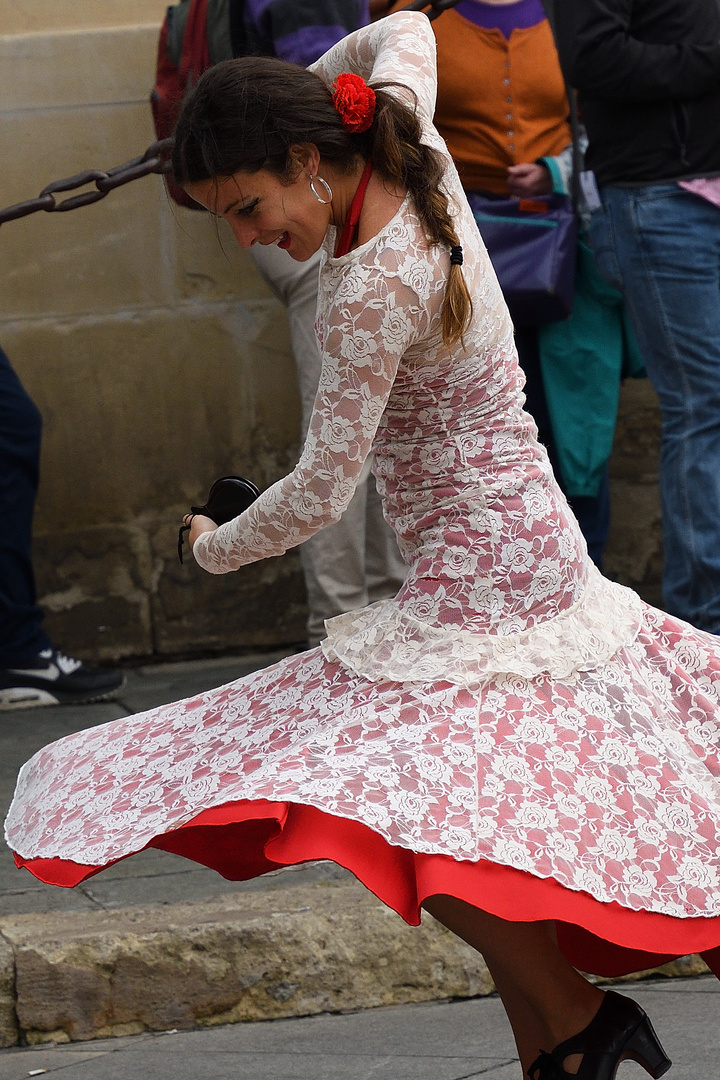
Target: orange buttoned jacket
[500,102]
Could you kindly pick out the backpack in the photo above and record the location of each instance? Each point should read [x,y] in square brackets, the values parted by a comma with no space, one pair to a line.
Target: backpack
[195,34]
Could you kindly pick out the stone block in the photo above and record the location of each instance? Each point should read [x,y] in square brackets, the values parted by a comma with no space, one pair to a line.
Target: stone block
[257,607]
[143,412]
[634,554]
[636,453]
[119,591]
[89,65]
[133,250]
[108,256]
[634,550]
[294,952]
[8,1021]
[683,968]
[94,584]
[140,418]
[43,16]
[208,262]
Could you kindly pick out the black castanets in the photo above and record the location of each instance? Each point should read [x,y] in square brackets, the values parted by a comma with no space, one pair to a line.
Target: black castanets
[228,497]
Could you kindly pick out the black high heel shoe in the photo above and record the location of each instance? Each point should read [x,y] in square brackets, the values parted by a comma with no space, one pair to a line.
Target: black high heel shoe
[229,496]
[619,1030]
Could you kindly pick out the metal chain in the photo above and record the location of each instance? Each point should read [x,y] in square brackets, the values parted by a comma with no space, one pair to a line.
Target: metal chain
[156,159]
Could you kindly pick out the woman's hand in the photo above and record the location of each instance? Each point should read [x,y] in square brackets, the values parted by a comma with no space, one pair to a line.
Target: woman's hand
[524,181]
[198,525]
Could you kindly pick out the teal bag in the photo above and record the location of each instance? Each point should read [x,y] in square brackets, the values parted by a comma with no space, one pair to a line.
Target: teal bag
[583,360]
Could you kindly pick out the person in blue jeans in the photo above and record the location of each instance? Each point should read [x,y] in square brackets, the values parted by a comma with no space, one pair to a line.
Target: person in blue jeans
[32,671]
[648,79]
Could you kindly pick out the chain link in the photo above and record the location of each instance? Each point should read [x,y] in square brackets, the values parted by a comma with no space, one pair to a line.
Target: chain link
[156,159]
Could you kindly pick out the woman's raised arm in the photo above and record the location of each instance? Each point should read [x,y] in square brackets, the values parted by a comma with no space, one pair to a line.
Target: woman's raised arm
[398,50]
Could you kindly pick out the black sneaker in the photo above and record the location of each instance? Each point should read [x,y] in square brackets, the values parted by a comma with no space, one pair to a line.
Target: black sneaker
[50,678]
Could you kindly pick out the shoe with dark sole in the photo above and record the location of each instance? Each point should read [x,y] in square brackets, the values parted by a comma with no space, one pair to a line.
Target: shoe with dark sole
[619,1030]
[51,678]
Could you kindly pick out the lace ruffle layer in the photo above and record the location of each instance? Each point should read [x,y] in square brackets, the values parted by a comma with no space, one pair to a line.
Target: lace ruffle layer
[385,643]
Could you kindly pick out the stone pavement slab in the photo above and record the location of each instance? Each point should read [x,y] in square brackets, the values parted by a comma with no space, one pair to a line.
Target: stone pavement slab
[254,956]
[468,1040]
[151,877]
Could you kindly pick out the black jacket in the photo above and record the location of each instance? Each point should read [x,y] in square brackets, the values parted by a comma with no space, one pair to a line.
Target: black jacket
[648,79]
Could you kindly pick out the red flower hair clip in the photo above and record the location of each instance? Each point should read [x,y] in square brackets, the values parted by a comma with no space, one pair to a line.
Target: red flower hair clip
[355,101]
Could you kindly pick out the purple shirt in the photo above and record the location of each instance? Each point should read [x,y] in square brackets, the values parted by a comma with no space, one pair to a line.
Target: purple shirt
[301,33]
[706,188]
[504,18]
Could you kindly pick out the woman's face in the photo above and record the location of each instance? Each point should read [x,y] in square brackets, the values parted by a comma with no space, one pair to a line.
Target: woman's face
[262,209]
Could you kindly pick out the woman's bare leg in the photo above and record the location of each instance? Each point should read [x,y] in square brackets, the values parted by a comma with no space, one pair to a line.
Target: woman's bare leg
[545,998]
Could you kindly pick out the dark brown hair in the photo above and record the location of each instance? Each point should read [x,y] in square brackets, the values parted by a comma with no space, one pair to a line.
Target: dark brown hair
[245,115]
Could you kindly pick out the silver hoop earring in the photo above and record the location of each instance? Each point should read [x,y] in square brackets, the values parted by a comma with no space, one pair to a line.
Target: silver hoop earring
[326,186]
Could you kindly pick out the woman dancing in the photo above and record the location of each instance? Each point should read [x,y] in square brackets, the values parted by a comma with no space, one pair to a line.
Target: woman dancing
[515,744]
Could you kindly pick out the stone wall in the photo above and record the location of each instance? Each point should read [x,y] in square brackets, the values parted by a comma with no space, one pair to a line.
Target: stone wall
[634,551]
[156,354]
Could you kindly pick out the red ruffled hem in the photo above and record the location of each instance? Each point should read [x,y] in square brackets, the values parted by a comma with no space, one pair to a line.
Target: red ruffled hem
[243,840]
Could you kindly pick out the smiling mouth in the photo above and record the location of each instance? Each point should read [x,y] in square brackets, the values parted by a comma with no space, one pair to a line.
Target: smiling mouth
[283,241]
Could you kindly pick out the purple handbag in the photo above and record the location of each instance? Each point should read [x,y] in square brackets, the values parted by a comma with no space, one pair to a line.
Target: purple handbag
[532,244]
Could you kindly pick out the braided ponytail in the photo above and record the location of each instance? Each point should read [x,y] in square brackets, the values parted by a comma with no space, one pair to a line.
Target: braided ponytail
[399,156]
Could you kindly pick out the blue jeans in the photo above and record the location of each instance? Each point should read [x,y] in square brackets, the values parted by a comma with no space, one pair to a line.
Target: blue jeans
[660,245]
[21,633]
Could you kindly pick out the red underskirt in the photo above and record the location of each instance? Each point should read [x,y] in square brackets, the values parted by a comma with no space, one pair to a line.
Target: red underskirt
[243,840]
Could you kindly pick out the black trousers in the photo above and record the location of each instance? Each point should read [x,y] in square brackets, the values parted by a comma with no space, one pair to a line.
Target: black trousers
[592,513]
[21,633]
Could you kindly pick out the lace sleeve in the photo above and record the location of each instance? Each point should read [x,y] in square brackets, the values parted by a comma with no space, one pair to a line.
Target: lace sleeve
[397,50]
[364,328]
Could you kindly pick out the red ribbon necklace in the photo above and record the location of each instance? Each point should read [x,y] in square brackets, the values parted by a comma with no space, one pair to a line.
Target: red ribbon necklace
[350,228]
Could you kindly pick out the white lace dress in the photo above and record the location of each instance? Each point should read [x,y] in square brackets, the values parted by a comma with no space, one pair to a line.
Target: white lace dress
[512,728]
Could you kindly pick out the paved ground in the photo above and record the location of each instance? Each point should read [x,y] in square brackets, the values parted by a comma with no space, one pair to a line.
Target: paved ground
[152,877]
[466,1040]
[448,1041]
